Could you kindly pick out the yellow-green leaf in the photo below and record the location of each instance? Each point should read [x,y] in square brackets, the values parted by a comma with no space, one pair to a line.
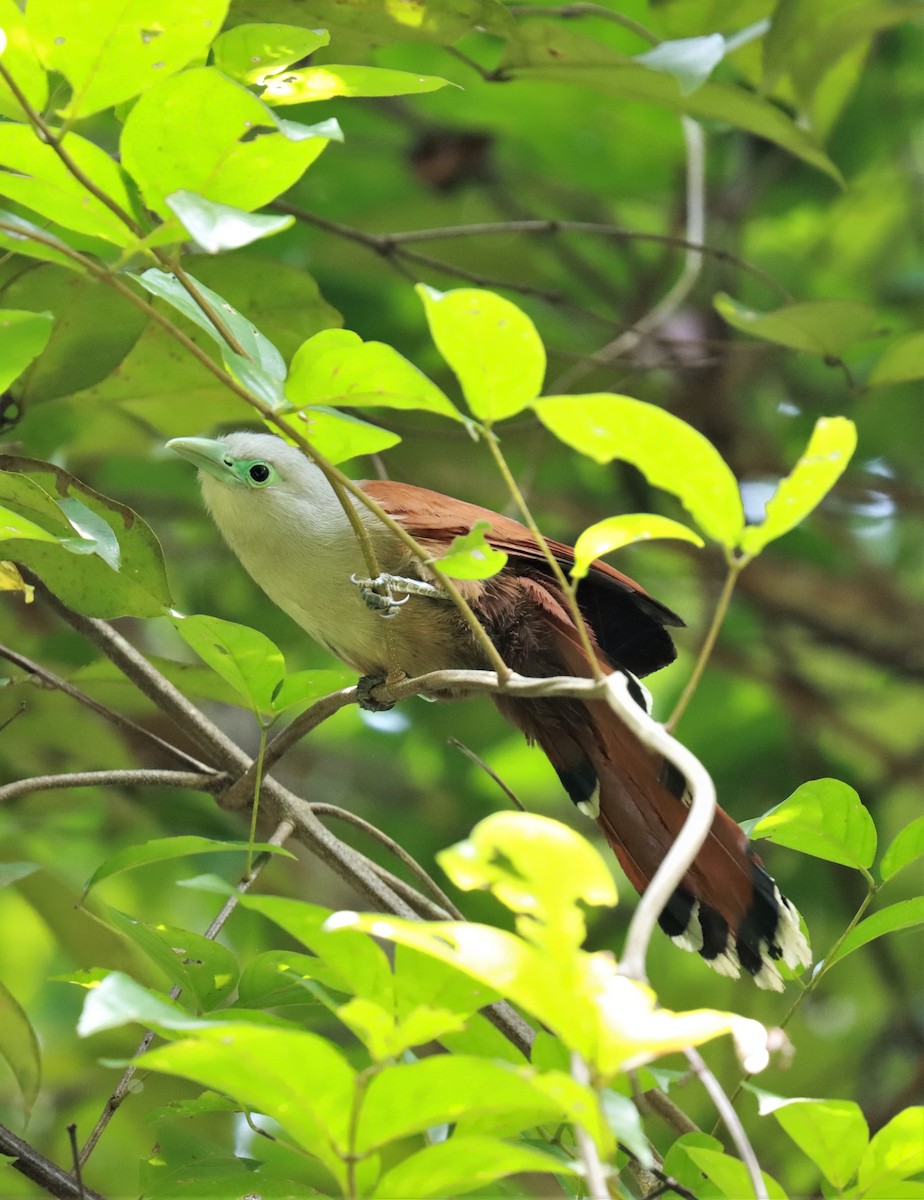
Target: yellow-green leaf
[616,532]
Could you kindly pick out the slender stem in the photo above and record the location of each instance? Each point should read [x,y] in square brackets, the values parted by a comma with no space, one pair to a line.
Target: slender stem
[569,11]
[126,779]
[257,785]
[732,1121]
[490,772]
[718,618]
[594,1175]
[570,596]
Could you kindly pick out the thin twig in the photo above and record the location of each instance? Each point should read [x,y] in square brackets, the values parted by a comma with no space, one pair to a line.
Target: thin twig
[569,11]
[41,1170]
[705,653]
[490,772]
[109,714]
[344,814]
[732,1121]
[137,778]
[594,1176]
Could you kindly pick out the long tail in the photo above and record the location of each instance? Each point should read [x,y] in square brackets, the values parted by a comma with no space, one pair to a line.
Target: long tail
[727,907]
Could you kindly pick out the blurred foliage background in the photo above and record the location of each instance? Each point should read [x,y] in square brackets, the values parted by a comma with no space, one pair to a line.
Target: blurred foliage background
[819,665]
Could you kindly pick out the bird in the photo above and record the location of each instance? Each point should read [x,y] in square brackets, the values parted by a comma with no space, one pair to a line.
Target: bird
[281,517]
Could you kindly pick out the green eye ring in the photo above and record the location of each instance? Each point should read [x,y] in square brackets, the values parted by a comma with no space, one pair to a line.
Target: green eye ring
[257,473]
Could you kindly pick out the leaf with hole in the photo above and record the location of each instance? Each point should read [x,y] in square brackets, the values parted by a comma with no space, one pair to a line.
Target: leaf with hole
[252,53]
[323,83]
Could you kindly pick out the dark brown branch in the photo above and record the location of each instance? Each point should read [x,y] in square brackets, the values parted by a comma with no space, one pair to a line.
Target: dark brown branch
[41,1170]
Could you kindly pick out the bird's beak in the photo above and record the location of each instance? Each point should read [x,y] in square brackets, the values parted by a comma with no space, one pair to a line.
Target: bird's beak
[205,453]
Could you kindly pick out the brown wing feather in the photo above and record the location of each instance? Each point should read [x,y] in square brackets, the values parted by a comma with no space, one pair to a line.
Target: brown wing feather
[628,622]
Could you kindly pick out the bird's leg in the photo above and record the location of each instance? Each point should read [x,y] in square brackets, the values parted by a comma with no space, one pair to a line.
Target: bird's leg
[378,593]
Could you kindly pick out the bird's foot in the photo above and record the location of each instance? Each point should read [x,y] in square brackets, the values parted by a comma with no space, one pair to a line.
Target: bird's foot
[379,593]
[365,686]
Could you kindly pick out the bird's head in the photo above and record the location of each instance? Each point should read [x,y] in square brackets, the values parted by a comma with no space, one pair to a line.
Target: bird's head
[246,474]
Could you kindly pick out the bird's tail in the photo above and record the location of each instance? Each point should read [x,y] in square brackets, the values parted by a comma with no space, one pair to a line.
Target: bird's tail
[726,907]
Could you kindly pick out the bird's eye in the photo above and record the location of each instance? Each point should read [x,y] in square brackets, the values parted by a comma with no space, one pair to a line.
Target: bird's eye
[259,472]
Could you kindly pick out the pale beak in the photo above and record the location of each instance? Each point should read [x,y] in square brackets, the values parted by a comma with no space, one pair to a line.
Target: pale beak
[207,454]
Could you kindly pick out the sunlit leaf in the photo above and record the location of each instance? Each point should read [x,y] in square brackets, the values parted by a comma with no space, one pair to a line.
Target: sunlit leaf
[336,367]
[730,1174]
[217,227]
[669,452]
[118,1000]
[36,177]
[236,152]
[242,656]
[896,1152]
[19,1047]
[168,849]
[492,347]
[461,1164]
[615,532]
[322,83]
[907,914]
[251,53]
[906,847]
[829,328]
[109,52]
[824,460]
[304,687]
[824,818]
[23,336]
[832,1133]
[21,61]
[471,556]
[902,361]
[338,436]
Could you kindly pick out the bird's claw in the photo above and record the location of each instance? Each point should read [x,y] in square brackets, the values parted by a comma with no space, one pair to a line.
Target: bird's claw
[378,593]
[364,697]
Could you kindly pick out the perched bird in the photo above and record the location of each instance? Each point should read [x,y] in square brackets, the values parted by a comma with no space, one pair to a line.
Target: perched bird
[280,516]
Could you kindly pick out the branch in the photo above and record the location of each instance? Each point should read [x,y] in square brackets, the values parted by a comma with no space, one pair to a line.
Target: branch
[594,1175]
[41,1170]
[142,778]
[732,1121]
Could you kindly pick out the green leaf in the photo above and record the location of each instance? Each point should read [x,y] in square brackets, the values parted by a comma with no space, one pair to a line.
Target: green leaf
[204,969]
[410,1098]
[824,460]
[252,53]
[471,556]
[36,177]
[336,367]
[14,525]
[265,367]
[360,965]
[322,83]
[304,687]
[297,1078]
[106,563]
[236,152]
[824,818]
[615,532]
[906,847]
[907,914]
[895,1153]
[509,854]
[10,872]
[670,453]
[167,849]
[338,436]
[460,1165]
[118,1000]
[730,1175]
[277,978]
[24,237]
[19,1047]
[109,53]
[901,362]
[690,60]
[492,347]
[242,656]
[624,1120]
[217,227]
[832,1133]
[21,62]
[829,328]
[544,50]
